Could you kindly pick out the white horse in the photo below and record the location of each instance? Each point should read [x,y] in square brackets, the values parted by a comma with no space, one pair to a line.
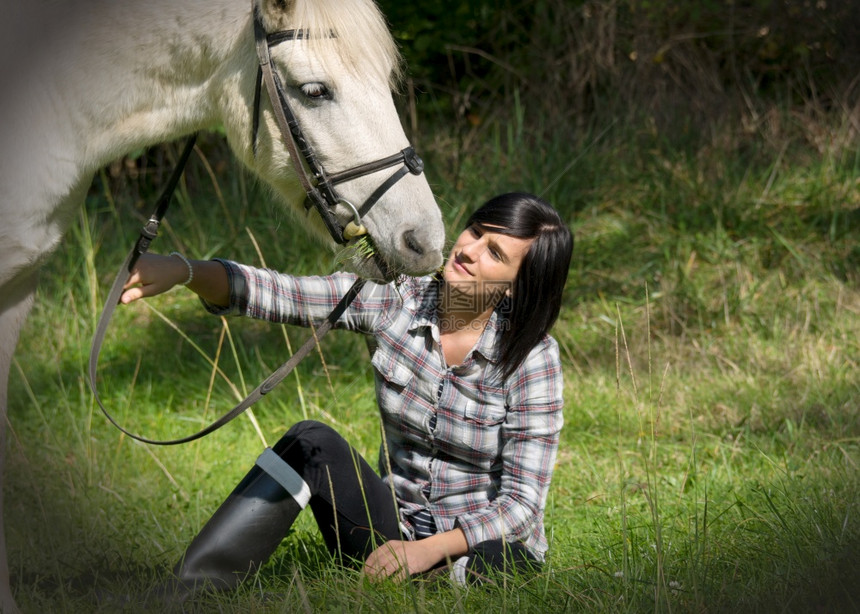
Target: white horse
[86,81]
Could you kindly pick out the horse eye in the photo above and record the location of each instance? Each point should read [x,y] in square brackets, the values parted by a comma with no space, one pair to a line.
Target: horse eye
[316,91]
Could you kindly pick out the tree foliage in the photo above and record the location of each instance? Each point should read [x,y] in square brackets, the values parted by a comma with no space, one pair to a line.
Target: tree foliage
[674,58]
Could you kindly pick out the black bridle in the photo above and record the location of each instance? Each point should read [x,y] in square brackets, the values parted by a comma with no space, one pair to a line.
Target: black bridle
[321,194]
[320,190]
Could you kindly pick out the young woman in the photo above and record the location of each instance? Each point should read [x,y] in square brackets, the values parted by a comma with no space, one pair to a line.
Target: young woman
[469,385]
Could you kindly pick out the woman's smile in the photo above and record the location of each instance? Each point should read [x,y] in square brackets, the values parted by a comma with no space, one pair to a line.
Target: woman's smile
[459,266]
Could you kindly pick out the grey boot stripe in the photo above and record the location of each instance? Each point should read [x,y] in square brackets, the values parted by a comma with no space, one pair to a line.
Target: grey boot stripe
[286,476]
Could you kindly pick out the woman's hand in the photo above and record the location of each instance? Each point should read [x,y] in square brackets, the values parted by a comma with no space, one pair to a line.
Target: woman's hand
[152,275]
[400,559]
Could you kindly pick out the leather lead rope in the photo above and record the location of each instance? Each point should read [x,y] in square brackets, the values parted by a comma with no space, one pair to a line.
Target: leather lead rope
[147,235]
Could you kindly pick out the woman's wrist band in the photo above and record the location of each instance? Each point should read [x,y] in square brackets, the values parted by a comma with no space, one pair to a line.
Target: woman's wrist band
[188,264]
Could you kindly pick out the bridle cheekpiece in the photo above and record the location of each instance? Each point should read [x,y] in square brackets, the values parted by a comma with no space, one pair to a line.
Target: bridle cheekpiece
[319,185]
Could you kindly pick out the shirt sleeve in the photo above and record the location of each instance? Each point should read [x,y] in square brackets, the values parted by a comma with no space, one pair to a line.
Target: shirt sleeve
[268,295]
[530,437]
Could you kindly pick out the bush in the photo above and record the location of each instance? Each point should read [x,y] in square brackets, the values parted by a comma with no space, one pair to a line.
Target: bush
[678,61]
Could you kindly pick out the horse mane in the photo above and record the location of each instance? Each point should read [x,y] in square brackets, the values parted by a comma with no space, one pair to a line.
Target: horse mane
[364,40]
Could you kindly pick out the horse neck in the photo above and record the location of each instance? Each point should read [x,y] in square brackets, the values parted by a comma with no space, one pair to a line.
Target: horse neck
[137,73]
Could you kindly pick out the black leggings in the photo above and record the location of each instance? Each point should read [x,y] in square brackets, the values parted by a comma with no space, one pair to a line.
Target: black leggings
[356,511]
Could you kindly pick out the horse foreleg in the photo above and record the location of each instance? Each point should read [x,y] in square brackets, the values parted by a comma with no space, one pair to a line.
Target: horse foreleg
[14,308]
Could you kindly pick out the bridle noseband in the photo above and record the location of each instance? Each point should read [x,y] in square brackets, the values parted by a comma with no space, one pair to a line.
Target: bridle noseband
[318,185]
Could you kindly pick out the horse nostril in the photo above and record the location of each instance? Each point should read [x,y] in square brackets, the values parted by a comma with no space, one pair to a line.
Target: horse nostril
[412,243]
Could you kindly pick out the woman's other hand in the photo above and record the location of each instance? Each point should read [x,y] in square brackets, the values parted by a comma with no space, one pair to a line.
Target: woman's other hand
[400,559]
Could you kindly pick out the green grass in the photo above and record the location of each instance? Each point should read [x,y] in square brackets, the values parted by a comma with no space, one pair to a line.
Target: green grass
[710,343]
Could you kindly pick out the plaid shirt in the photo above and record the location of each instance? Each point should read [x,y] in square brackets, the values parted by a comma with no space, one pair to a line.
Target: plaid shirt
[476,452]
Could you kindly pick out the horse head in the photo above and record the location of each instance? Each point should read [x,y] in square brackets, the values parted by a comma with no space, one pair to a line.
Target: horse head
[335,71]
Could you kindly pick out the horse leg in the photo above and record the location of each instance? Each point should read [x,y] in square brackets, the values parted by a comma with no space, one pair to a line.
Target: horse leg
[14,308]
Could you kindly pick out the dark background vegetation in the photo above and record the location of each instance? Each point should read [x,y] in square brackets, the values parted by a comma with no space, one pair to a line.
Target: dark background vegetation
[757,71]
[685,62]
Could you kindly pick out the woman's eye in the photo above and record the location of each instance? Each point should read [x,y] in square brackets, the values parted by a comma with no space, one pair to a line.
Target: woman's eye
[315,91]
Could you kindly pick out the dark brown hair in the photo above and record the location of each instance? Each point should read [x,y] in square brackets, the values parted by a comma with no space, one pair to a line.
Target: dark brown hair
[537,288]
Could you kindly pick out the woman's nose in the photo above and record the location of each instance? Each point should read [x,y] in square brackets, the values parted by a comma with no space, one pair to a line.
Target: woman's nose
[472,250]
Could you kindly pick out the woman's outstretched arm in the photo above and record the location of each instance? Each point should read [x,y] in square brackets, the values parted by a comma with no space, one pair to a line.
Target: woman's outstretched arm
[154,274]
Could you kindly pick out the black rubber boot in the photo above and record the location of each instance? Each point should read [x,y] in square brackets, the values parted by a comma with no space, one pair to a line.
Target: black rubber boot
[236,541]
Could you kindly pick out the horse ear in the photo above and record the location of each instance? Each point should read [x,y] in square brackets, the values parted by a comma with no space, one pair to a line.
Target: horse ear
[277,13]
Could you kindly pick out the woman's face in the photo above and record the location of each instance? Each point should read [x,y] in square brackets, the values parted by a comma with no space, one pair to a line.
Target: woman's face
[483,264]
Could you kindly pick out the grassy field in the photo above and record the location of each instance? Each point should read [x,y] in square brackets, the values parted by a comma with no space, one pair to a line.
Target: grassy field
[710,337]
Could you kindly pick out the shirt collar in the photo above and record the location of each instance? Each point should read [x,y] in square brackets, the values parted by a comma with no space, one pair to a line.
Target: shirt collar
[425,310]
[488,345]
[425,316]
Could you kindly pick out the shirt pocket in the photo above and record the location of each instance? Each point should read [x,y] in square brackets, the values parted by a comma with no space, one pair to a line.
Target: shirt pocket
[390,369]
[486,405]
[484,413]
[393,381]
